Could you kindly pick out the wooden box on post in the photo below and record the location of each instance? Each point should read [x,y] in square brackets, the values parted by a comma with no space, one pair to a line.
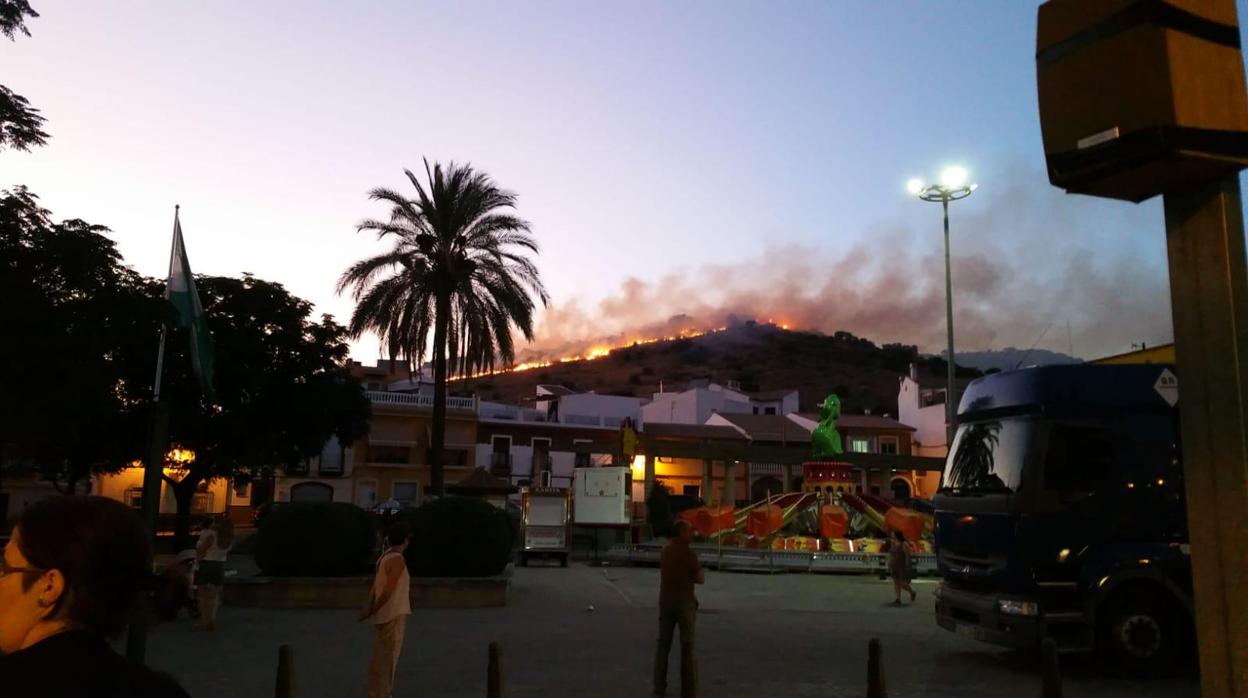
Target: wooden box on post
[1140,97]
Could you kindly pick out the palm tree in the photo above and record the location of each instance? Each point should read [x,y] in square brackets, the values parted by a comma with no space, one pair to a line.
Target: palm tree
[460,267]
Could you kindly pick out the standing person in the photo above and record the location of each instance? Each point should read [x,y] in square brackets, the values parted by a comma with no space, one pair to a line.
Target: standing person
[899,567]
[389,605]
[70,577]
[213,548]
[678,606]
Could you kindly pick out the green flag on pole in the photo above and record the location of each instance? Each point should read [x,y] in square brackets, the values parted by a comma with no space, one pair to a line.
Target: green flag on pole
[180,291]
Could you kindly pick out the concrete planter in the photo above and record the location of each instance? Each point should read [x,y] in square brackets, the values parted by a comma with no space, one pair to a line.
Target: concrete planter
[352,592]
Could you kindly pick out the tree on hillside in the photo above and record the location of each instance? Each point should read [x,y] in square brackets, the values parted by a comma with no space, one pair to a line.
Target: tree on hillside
[281,388]
[460,268]
[20,123]
[70,376]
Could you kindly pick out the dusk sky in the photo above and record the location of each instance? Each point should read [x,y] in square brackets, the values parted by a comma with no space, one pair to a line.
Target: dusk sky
[744,158]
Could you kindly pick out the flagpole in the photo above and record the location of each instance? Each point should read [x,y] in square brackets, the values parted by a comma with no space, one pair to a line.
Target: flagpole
[136,635]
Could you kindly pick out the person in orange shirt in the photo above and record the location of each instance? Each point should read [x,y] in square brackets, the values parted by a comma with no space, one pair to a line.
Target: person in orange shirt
[389,605]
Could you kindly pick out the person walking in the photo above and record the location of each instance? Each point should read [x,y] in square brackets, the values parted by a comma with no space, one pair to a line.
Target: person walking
[213,548]
[70,579]
[678,606]
[389,605]
[899,567]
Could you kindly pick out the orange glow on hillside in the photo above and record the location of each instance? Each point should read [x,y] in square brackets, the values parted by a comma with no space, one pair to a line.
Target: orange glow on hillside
[598,351]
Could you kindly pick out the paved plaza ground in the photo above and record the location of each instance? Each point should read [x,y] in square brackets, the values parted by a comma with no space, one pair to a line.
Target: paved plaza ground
[758,635]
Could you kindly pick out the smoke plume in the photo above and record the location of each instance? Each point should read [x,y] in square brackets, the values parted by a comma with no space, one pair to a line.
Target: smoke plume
[1084,276]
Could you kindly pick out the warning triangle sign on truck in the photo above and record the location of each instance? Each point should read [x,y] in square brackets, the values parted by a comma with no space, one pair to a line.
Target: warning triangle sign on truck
[1167,386]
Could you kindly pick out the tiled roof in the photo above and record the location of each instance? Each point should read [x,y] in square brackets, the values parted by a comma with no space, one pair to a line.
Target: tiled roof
[861,421]
[692,431]
[768,427]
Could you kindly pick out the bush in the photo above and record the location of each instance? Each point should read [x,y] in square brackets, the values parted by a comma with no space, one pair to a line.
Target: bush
[315,539]
[458,537]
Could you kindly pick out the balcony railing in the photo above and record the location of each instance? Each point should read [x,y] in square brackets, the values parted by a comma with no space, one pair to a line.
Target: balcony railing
[382,397]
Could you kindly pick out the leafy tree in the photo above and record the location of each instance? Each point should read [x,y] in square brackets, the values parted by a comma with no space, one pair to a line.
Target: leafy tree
[282,389]
[459,268]
[20,123]
[72,378]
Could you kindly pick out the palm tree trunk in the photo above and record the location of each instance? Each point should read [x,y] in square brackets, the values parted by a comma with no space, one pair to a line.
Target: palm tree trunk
[437,445]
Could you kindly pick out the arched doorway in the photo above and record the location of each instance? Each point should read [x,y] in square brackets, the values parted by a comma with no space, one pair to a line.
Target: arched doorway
[900,488]
[764,485]
[311,492]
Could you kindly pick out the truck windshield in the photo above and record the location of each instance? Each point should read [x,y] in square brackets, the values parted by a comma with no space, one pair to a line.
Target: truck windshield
[988,455]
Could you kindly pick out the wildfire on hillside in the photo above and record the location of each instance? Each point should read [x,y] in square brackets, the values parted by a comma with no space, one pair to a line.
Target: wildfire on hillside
[602,348]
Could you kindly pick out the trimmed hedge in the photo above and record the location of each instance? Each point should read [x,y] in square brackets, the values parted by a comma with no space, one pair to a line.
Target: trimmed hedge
[458,537]
[316,539]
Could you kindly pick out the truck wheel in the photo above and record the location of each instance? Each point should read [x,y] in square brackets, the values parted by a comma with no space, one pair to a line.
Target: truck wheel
[1140,633]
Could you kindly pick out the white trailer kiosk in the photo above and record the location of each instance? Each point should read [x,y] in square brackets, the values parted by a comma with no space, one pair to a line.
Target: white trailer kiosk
[545,514]
[601,498]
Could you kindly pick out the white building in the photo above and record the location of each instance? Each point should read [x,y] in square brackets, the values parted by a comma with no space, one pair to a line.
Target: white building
[924,409]
[702,399]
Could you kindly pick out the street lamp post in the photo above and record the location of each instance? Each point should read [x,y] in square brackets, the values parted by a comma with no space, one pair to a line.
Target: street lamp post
[952,187]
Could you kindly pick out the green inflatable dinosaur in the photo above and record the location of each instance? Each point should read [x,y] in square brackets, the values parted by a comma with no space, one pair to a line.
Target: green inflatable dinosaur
[825,439]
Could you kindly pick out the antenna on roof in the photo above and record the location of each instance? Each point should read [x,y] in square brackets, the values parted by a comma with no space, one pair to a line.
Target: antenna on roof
[1033,346]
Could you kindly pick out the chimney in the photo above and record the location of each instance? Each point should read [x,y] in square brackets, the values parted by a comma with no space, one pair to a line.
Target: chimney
[914,372]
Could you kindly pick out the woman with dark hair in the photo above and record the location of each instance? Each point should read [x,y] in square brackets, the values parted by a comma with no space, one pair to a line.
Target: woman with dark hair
[214,546]
[71,575]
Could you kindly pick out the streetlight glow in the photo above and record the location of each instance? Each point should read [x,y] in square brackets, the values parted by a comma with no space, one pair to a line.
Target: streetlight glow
[953,177]
[914,186]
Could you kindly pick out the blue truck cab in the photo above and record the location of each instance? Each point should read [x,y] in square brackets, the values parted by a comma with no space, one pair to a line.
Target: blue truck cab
[1061,514]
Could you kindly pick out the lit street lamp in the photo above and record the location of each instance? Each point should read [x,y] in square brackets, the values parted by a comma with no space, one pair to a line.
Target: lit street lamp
[952,187]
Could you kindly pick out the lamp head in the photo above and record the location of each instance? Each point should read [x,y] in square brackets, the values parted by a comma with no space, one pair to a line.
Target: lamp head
[953,177]
[914,186]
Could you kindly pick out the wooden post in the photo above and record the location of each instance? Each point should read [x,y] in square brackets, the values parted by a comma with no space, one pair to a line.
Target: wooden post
[875,670]
[1050,675]
[494,677]
[1209,301]
[285,672]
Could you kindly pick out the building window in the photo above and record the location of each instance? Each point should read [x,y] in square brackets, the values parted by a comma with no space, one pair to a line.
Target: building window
[769,410]
[378,453]
[456,457]
[405,493]
[581,460]
[366,493]
[888,445]
[134,497]
[859,445]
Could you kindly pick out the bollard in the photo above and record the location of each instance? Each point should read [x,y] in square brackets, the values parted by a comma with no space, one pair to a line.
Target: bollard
[875,670]
[494,677]
[285,672]
[1050,675]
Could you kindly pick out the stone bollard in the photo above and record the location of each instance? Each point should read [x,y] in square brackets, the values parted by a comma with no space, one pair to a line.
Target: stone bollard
[875,670]
[1050,674]
[494,676]
[285,672]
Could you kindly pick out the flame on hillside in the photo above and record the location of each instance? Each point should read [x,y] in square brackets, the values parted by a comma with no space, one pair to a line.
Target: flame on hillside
[603,348]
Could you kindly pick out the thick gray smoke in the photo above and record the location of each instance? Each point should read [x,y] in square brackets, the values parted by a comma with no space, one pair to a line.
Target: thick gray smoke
[1030,261]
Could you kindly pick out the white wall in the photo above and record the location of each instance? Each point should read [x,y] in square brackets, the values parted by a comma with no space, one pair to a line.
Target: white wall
[929,422]
[696,405]
[608,410]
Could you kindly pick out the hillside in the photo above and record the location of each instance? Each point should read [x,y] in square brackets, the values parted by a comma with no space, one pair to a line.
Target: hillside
[1011,358]
[760,357]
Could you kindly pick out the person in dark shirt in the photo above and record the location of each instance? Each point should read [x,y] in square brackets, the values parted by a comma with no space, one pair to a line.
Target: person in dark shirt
[70,576]
[678,606]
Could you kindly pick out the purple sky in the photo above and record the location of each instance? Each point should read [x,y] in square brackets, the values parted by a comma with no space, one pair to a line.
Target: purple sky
[658,141]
